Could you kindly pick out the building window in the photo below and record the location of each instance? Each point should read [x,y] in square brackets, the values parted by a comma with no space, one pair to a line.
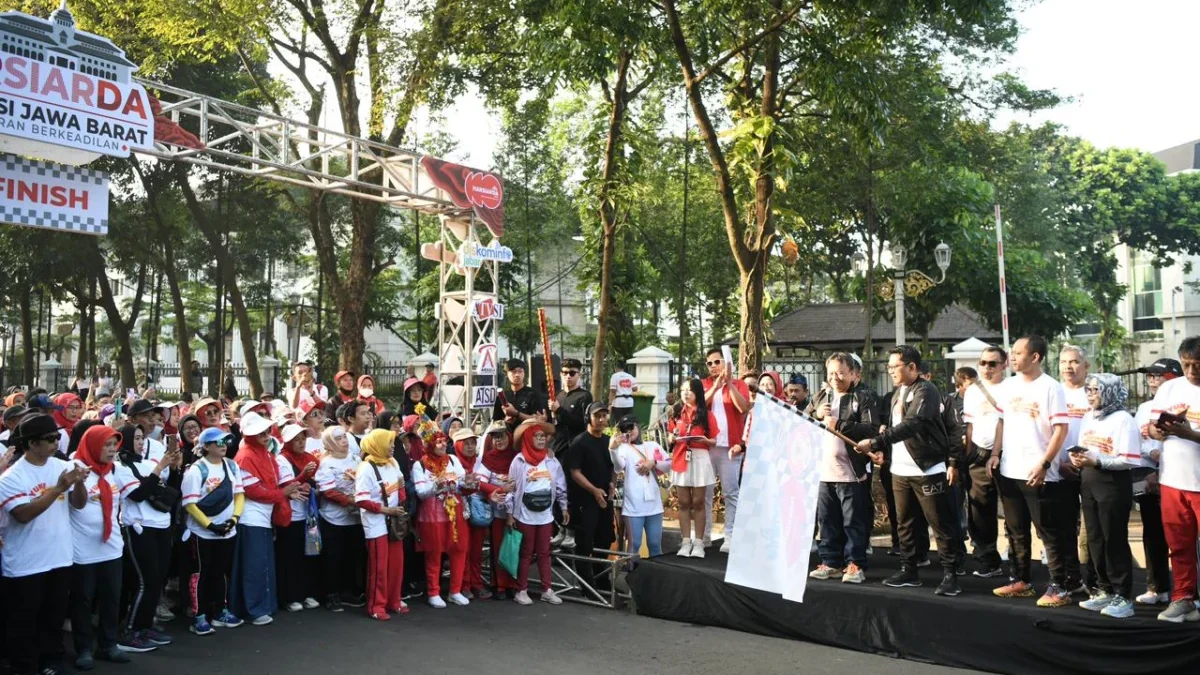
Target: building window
[1147,293]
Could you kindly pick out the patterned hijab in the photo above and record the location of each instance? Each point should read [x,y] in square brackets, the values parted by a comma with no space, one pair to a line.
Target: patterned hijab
[1113,393]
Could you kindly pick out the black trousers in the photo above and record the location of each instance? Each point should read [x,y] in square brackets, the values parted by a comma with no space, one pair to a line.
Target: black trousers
[983,502]
[343,559]
[1107,499]
[1047,508]
[96,588]
[295,573]
[1077,570]
[929,496]
[213,561]
[1154,542]
[35,608]
[593,528]
[889,498]
[147,557]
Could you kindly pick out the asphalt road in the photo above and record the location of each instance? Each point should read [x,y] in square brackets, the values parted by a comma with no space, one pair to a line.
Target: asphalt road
[497,638]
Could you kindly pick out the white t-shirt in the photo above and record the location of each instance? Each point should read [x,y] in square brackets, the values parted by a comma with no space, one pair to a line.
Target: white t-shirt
[624,383]
[44,543]
[1114,436]
[1030,410]
[64,441]
[367,489]
[141,512]
[87,524]
[286,473]
[195,488]
[355,450]
[319,393]
[1142,418]
[315,447]
[1179,466]
[902,463]
[835,461]
[338,474]
[981,414]
[718,411]
[254,514]
[1077,407]
[642,496]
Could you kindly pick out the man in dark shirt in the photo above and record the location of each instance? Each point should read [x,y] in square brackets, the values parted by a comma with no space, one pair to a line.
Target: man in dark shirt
[519,402]
[590,493]
[569,408]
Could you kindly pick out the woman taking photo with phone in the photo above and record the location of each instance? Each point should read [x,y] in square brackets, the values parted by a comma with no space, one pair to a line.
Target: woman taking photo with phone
[641,462]
[693,435]
[1109,446]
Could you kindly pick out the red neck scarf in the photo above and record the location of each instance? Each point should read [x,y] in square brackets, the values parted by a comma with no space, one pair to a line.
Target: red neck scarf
[435,463]
[298,458]
[64,401]
[89,452]
[532,455]
[254,458]
[468,463]
[498,461]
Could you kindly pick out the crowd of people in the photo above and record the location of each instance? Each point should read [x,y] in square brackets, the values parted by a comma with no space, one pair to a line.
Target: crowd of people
[331,499]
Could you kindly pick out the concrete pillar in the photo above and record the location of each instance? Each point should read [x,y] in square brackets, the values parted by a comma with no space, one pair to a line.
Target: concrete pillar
[48,375]
[653,372]
[268,370]
[967,353]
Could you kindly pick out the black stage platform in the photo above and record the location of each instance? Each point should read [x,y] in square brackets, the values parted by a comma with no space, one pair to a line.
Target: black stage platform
[974,630]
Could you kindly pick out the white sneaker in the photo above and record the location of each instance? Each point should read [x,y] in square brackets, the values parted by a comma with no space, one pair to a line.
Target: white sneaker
[727,545]
[163,614]
[568,543]
[697,549]
[436,602]
[522,598]
[459,599]
[1152,598]
[551,598]
[294,607]
[685,549]
[557,539]
[262,620]
[311,603]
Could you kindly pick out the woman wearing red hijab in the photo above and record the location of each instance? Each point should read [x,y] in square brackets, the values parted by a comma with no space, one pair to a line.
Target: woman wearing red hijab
[498,453]
[70,411]
[441,525]
[538,483]
[98,548]
[479,487]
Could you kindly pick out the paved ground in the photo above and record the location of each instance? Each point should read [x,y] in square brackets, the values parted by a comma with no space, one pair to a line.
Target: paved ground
[498,638]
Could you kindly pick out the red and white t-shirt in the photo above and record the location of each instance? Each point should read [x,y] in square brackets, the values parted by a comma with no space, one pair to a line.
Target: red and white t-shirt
[1030,411]
[981,414]
[368,488]
[286,475]
[338,474]
[1077,407]
[197,487]
[87,524]
[1149,445]
[1179,466]
[1114,437]
[254,514]
[624,384]
[44,543]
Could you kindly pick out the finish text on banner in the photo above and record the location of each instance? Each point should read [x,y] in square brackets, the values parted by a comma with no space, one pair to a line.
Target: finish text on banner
[778,505]
[54,196]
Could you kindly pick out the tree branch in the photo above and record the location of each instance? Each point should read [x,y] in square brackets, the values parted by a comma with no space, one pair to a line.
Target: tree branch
[753,40]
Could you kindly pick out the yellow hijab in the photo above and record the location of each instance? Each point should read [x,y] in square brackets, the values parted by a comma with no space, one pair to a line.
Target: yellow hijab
[377,447]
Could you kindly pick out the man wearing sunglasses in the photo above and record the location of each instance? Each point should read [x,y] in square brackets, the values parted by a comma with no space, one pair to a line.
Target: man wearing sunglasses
[569,409]
[729,400]
[981,413]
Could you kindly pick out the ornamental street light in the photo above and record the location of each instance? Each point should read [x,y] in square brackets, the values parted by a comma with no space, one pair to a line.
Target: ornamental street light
[913,282]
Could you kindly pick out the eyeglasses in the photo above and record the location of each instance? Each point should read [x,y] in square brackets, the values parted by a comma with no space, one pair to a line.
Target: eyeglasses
[713,363]
[989,364]
[570,373]
[221,442]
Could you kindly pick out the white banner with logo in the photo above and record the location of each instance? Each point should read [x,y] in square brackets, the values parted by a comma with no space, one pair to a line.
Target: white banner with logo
[777,508]
[54,196]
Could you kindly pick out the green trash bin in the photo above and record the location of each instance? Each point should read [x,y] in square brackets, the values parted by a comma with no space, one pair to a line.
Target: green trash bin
[643,405]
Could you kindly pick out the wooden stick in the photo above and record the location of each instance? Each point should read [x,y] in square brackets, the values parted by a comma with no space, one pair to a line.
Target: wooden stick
[550,392]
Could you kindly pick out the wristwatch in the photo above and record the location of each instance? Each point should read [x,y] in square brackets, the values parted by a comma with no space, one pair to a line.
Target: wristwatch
[1046,465]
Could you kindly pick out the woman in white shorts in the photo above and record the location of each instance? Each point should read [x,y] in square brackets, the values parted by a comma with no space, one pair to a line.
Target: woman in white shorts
[693,435]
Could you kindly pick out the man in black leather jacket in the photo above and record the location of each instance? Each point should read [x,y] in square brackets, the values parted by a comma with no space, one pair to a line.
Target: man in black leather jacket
[922,469]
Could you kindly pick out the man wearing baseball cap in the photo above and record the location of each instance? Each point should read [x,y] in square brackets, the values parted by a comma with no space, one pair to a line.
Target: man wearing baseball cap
[1145,488]
[797,391]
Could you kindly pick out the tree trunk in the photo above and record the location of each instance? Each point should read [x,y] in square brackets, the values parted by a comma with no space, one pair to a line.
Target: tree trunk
[26,302]
[122,329]
[182,334]
[81,348]
[229,269]
[608,224]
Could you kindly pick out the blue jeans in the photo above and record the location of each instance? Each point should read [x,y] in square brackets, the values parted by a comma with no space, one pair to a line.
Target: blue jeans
[842,511]
[652,525]
[252,590]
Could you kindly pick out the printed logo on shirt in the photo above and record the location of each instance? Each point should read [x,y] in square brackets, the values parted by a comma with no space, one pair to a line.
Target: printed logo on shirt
[94,491]
[1095,441]
[350,474]
[1145,429]
[625,383]
[537,474]
[41,488]
[212,483]
[393,488]
[1020,406]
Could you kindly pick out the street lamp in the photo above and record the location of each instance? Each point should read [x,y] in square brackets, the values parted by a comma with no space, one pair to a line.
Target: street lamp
[918,280]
